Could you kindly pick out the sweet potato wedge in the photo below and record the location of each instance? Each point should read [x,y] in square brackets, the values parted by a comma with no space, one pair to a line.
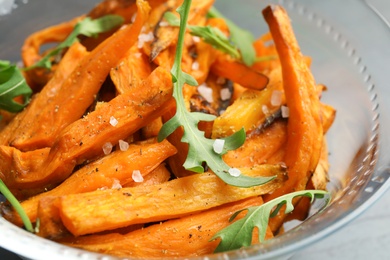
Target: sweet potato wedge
[225,66]
[110,209]
[305,132]
[38,77]
[84,139]
[25,119]
[112,170]
[187,236]
[251,108]
[77,92]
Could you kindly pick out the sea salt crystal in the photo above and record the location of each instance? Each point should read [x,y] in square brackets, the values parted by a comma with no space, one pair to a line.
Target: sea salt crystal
[133,17]
[138,55]
[113,121]
[195,65]
[206,92]
[225,94]
[137,176]
[116,185]
[285,112]
[265,109]
[144,37]
[276,98]
[123,145]
[107,148]
[163,23]
[196,38]
[234,172]
[218,145]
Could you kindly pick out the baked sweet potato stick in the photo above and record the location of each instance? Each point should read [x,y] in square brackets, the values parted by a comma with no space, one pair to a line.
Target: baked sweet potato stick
[131,71]
[251,108]
[113,169]
[265,143]
[77,92]
[226,67]
[24,119]
[38,77]
[84,139]
[305,132]
[96,211]
[183,237]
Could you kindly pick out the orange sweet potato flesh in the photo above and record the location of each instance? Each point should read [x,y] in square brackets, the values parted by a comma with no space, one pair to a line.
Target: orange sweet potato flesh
[183,237]
[130,71]
[116,167]
[83,140]
[38,77]
[78,90]
[96,211]
[50,225]
[225,66]
[23,119]
[305,132]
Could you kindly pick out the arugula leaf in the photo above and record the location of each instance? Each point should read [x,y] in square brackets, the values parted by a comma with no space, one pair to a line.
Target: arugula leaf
[211,35]
[243,39]
[200,148]
[86,27]
[239,233]
[12,84]
[15,203]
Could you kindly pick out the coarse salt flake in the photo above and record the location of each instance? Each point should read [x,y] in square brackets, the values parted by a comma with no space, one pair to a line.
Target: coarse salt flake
[285,111]
[138,55]
[116,185]
[107,148]
[163,23]
[225,94]
[234,172]
[123,145]
[137,176]
[196,38]
[265,109]
[218,145]
[276,98]
[133,17]
[195,65]
[206,92]
[144,37]
[113,121]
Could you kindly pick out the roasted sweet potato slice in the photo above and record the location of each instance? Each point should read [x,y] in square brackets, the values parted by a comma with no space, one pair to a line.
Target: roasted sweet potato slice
[110,209]
[77,92]
[305,132]
[84,139]
[113,170]
[183,237]
[29,116]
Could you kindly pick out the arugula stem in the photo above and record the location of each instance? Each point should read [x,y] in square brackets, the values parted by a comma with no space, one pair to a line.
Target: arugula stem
[15,203]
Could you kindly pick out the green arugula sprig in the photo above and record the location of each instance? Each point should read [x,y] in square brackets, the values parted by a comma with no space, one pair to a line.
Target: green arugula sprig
[241,38]
[18,208]
[211,35]
[12,85]
[87,27]
[239,233]
[200,148]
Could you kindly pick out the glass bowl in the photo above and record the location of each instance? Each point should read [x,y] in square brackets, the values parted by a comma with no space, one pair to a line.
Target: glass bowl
[345,59]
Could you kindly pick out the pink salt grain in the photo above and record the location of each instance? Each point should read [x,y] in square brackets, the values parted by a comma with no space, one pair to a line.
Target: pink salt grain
[107,148]
[137,176]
